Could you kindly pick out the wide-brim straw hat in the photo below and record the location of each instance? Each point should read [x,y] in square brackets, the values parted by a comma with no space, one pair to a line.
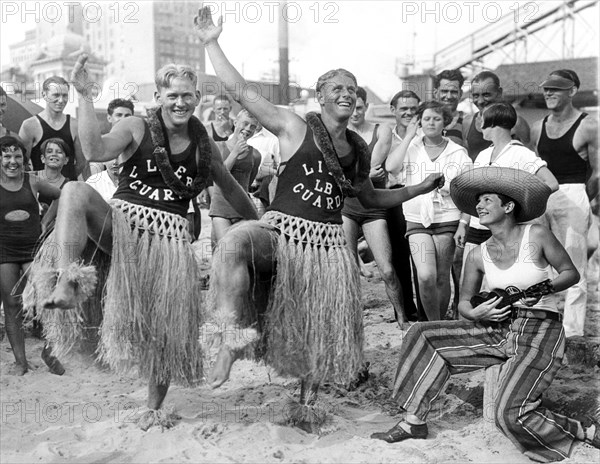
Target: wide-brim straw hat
[528,190]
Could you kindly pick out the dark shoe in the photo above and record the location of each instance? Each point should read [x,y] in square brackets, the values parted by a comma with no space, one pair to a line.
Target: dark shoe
[52,362]
[397,433]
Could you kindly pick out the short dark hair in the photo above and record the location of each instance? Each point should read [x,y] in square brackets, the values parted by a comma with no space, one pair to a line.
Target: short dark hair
[567,74]
[361,93]
[449,75]
[2,92]
[404,94]
[54,80]
[13,141]
[504,199]
[499,114]
[119,103]
[438,107]
[56,141]
[484,75]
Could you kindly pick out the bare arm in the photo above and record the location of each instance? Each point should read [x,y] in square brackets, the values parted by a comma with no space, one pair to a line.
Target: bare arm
[522,132]
[233,192]
[382,147]
[257,159]
[81,165]
[281,122]
[95,146]
[395,160]
[491,310]
[536,130]
[27,133]
[556,256]
[590,127]
[546,175]
[371,197]
[39,185]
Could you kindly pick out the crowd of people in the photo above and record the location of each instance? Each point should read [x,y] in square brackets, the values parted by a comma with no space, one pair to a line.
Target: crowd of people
[449,204]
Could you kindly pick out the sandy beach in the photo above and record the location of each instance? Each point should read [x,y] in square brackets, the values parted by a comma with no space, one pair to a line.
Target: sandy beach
[88,415]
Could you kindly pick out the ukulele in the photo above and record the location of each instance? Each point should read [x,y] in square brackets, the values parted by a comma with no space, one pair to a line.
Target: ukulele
[512,294]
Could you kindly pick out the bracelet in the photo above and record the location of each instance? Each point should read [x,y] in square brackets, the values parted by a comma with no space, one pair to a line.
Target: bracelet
[464,221]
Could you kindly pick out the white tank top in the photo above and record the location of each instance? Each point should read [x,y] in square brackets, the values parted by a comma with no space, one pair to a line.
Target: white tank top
[522,274]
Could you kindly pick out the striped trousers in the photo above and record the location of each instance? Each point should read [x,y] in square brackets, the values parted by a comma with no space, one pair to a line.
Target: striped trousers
[530,351]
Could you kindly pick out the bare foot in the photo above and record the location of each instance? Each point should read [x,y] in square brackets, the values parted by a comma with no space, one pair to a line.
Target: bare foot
[18,369]
[63,296]
[158,417]
[219,373]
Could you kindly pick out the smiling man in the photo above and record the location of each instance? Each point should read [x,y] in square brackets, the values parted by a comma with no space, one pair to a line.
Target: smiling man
[151,306]
[485,91]
[311,326]
[567,140]
[53,123]
[447,89]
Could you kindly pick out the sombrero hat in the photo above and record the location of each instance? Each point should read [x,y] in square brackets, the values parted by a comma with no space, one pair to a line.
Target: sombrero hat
[527,190]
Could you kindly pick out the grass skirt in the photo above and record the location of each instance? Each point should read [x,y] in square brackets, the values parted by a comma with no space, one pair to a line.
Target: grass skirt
[151,310]
[152,307]
[313,322]
[77,327]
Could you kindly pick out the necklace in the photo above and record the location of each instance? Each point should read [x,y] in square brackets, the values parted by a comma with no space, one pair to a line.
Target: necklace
[325,144]
[162,151]
[436,145]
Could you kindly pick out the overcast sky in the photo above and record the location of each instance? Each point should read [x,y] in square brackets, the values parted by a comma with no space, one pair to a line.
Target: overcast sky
[366,37]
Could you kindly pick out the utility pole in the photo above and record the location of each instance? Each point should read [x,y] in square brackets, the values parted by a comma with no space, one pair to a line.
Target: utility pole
[284,61]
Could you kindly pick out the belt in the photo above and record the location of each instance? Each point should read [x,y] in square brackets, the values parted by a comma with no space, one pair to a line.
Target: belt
[535,314]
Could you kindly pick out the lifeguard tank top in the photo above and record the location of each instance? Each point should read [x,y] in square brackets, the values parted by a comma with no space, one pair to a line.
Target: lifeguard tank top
[563,160]
[141,182]
[307,190]
[64,133]
[522,274]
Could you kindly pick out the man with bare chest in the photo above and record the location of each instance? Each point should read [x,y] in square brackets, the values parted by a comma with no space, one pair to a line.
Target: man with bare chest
[567,140]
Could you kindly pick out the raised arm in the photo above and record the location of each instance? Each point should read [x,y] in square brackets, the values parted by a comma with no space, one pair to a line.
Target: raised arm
[81,164]
[395,160]
[279,121]
[95,146]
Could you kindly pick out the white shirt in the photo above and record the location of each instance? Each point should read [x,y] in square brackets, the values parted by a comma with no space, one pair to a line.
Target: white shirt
[514,155]
[452,162]
[103,184]
[267,145]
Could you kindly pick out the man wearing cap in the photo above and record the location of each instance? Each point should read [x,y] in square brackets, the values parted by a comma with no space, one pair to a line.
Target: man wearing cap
[526,338]
[567,140]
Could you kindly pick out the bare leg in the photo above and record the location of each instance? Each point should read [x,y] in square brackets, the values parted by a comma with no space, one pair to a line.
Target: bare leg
[10,274]
[444,246]
[423,252]
[246,246]
[377,236]
[82,215]
[219,227]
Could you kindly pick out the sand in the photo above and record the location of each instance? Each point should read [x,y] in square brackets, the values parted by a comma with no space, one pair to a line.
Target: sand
[88,414]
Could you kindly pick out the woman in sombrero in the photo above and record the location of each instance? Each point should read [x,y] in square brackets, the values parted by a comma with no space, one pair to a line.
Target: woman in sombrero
[526,338]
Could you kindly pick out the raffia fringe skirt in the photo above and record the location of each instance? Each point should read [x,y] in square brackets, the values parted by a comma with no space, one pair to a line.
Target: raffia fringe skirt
[152,307]
[313,321]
